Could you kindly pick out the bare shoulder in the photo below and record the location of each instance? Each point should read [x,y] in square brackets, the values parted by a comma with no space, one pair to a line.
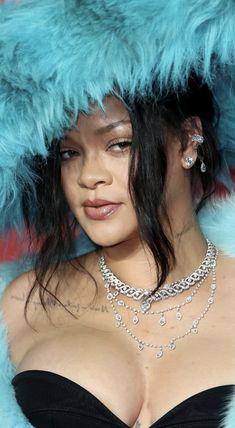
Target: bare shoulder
[24,331]
[13,301]
[73,280]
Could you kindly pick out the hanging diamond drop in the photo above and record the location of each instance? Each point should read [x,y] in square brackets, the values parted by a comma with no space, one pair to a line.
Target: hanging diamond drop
[145,307]
[162,321]
[195,323]
[159,354]
[179,315]
[135,319]
[172,346]
[141,346]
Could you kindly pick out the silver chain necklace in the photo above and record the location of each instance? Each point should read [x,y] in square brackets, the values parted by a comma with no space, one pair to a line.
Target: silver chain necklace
[171,345]
[168,290]
[162,321]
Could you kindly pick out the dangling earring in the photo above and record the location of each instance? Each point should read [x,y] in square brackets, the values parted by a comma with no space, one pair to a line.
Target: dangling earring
[189,162]
[200,139]
[203,165]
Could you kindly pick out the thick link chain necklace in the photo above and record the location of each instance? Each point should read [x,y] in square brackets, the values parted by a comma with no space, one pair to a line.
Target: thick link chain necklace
[112,296]
[167,290]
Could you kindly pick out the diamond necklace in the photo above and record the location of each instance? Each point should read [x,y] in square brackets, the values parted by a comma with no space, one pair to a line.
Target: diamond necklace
[162,321]
[168,290]
[171,345]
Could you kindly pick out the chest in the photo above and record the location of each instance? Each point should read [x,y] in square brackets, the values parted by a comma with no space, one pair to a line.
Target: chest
[133,384]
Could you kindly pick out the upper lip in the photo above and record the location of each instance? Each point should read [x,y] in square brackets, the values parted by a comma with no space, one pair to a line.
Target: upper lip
[97,203]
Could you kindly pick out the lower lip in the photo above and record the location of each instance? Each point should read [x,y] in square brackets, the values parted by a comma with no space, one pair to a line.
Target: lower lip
[101,213]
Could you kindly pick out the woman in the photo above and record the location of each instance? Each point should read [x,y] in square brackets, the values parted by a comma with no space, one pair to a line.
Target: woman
[111,335]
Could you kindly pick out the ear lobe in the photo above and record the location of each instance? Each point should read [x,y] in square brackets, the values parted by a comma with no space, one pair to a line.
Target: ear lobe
[189,155]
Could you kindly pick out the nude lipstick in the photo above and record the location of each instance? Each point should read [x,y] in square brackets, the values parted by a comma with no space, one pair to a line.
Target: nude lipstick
[100,209]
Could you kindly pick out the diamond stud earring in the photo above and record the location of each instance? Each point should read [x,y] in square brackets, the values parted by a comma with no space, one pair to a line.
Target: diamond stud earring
[189,161]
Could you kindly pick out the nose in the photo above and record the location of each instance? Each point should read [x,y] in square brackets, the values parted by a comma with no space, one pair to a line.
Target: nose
[94,173]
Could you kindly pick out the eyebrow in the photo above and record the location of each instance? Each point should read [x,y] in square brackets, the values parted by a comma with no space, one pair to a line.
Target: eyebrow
[111,126]
[103,129]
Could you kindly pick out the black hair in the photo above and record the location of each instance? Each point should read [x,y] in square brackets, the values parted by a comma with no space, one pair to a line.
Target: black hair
[153,119]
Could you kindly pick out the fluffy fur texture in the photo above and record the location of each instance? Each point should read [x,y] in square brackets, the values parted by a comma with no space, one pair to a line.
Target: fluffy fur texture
[56,55]
[218,224]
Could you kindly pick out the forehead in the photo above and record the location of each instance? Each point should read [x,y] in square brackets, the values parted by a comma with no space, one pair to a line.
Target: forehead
[114,111]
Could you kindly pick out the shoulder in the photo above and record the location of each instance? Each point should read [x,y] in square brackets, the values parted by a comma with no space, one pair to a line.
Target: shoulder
[13,300]
[22,331]
[68,282]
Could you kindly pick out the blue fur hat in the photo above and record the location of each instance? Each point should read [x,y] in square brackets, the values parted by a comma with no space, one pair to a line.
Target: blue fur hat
[56,55]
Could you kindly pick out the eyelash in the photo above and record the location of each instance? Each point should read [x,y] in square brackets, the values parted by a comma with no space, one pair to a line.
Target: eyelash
[126,143]
[72,153]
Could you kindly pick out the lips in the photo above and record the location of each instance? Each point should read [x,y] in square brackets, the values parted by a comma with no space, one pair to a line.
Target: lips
[99,209]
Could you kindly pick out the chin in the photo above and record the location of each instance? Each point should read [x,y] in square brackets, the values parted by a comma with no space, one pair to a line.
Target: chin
[105,241]
[108,236]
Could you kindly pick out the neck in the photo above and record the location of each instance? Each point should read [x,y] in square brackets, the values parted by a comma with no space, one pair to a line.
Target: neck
[132,262]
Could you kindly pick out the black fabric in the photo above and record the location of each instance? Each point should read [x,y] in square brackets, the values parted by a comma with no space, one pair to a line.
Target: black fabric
[53,401]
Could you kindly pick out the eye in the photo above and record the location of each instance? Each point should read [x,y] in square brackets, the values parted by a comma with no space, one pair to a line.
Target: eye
[120,146]
[68,154]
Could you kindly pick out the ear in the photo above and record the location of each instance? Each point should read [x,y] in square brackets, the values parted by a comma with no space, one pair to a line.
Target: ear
[193,127]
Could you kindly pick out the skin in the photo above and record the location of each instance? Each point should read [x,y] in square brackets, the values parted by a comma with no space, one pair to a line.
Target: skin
[94,165]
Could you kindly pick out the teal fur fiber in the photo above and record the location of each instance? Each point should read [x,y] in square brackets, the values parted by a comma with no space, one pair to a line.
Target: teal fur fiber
[57,55]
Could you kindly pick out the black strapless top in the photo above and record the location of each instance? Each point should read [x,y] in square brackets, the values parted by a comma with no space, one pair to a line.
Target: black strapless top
[50,400]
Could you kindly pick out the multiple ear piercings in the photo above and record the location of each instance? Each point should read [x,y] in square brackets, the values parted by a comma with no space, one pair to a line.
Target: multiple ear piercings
[189,161]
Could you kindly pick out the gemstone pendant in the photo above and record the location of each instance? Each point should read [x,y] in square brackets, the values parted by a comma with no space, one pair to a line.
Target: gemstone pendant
[179,315]
[162,321]
[172,346]
[145,307]
[141,346]
[135,319]
[159,354]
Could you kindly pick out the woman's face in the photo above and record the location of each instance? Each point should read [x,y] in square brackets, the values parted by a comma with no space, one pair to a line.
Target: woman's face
[95,160]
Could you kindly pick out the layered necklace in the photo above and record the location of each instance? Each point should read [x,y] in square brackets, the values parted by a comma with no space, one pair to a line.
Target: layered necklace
[147,297]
